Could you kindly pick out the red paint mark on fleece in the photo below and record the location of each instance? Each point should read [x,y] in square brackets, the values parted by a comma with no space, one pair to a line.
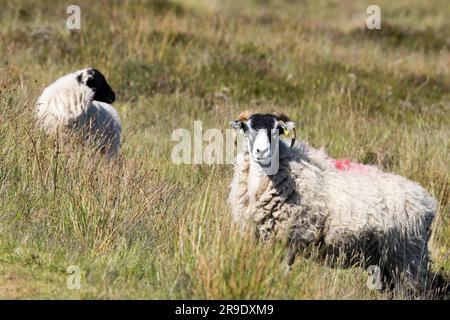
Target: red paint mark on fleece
[343,164]
[347,165]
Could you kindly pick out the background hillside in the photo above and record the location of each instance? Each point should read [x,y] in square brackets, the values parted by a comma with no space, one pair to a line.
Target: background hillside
[152,229]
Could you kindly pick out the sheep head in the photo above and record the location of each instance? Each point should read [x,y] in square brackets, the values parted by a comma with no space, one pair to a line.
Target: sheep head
[96,81]
[283,120]
[263,132]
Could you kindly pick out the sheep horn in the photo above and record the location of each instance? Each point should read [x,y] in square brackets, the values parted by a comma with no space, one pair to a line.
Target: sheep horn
[243,116]
[282,117]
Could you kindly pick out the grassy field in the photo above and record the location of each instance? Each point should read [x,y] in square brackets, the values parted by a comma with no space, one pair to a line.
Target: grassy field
[148,228]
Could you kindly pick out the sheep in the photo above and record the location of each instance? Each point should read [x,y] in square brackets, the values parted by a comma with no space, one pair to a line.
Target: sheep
[309,202]
[79,103]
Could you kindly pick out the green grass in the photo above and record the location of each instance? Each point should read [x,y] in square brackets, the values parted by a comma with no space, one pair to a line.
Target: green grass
[146,228]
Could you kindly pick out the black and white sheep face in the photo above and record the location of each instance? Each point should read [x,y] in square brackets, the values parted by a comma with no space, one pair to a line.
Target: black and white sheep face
[263,137]
[95,80]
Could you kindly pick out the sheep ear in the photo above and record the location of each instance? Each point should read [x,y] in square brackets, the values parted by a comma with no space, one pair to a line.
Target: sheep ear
[80,78]
[84,77]
[239,125]
[289,125]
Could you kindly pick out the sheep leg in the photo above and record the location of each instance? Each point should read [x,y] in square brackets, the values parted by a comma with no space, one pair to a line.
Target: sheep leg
[290,258]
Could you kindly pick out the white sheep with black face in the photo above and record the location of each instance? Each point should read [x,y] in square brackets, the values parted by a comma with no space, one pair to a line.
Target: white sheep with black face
[80,103]
[305,201]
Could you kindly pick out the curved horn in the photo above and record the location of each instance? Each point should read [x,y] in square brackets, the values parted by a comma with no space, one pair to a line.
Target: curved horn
[245,115]
[282,117]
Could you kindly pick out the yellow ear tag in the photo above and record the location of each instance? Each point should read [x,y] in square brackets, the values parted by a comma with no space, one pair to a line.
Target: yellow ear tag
[286,132]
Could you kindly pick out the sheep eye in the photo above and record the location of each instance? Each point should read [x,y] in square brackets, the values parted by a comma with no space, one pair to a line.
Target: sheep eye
[244,127]
[280,130]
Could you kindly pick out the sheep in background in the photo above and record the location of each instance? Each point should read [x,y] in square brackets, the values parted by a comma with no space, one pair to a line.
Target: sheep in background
[383,216]
[79,103]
